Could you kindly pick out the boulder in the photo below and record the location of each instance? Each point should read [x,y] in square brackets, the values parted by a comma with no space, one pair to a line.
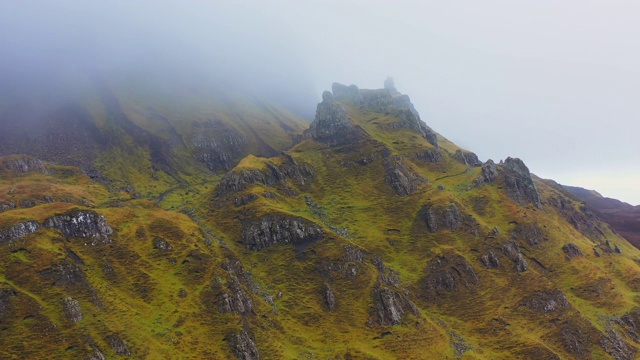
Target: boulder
[328,297]
[72,309]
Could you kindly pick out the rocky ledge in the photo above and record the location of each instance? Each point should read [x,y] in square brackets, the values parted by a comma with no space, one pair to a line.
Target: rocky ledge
[24,164]
[279,229]
[332,126]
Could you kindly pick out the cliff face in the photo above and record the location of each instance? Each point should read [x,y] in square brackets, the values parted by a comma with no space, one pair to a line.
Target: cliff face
[371,236]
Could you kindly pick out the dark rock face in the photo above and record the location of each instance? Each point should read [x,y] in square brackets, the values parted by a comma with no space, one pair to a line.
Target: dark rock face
[390,306]
[217,145]
[331,125]
[234,300]
[65,274]
[447,274]
[17,231]
[82,224]
[519,185]
[343,92]
[467,158]
[489,174]
[574,339]
[431,155]
[613,343]
[630,323]
[546,301]
[244,200]
[25,164]
[512,251]
[237,181]
[243,347]
[278,229]
[529,232]
[353,254]
[7,205]
[72,309]
[583,219]
[571,250]
[402,180]
[5,299]
[328,297]
[439,218]
[490,260]
[118,345]
[161,244]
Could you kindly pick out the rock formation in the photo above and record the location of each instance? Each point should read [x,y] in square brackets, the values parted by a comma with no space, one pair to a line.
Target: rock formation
[279,229]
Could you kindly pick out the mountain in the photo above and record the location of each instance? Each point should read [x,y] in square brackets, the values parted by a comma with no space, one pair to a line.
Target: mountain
[364,235]
[622,217]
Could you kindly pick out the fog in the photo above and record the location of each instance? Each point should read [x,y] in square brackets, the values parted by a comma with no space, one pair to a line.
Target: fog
[555,83]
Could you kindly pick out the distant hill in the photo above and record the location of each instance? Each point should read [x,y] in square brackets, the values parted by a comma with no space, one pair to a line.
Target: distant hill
[623,217]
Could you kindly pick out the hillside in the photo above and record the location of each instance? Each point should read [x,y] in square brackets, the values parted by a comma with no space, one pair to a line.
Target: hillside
[622,217]
[369,236]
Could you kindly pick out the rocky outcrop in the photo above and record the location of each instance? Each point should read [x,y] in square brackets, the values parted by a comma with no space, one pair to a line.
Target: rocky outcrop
[243,346]
[161,244]
[584,220]
[217,145]
[390,306]
[519,184]
[438,218]
[279,229]
[328,297]
[613,343]
[571,250]
[234,299]
[546,301]
[72,309]
[82,224]
[344,92]
[118,345]
[17,231]
[490,260]
[65,274]
[401,179]
[512,251]
[488,175]
[24,164]
[5,299]
[332,126]
[271,175]
[244,200]
[431,155]
[529,232]
[7,205]
[467,158]
[447,274]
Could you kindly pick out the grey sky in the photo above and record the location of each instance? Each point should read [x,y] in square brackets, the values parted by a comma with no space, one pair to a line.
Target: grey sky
[555,83]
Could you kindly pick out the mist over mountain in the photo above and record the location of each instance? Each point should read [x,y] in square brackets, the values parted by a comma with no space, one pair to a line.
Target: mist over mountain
[242,180]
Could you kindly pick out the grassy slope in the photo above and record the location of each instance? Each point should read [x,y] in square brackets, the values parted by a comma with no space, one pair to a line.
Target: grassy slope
[139,295]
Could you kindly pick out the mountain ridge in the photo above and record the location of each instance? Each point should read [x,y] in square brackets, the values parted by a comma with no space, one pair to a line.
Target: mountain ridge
[368,236]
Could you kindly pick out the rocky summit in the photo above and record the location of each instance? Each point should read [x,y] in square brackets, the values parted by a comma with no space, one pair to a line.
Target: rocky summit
[135,227]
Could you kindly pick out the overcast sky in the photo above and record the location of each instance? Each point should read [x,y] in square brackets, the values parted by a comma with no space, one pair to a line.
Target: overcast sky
[553,82]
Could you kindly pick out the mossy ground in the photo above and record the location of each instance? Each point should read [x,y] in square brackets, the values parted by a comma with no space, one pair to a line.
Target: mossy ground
[134,290]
